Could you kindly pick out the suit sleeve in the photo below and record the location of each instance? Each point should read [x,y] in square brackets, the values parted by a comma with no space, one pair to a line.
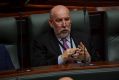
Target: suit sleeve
[38,54]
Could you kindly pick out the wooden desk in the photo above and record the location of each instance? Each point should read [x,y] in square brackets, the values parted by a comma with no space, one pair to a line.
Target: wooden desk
[61,69]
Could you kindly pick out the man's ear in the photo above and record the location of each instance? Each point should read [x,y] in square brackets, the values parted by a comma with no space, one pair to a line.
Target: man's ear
[50,23]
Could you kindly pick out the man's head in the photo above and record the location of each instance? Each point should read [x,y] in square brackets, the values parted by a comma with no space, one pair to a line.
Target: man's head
[65,78]
[60,21]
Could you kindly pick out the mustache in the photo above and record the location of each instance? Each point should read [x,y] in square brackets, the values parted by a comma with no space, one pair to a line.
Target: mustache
[64,30]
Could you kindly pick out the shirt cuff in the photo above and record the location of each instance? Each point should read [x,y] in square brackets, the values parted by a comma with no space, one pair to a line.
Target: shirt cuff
[60,60]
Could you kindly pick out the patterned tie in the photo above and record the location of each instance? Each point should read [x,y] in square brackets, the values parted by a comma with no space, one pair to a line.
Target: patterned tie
[64,40]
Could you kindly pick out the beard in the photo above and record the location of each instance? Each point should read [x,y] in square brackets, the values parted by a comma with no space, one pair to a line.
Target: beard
[64,33]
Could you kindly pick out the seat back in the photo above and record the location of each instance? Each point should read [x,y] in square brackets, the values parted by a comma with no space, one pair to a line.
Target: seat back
[8,39]
[112,34]
[39,23]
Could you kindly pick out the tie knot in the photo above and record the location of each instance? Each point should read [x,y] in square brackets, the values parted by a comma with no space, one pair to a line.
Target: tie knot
[64,39]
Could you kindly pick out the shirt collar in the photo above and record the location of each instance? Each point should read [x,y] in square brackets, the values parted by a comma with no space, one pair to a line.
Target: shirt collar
[68,38]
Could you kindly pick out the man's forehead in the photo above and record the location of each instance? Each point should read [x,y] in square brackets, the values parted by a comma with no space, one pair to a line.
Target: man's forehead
[59,7]
[59,10]
[61,15]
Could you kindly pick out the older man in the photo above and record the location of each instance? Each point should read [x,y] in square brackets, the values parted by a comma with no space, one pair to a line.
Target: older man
[61,45]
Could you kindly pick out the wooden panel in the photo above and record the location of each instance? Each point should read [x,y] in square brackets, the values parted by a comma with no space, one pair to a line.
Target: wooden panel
[57,68]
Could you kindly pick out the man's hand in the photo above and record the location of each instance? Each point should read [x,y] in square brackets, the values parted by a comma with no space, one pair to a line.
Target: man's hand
[82,54]
[67,55]
[76,54]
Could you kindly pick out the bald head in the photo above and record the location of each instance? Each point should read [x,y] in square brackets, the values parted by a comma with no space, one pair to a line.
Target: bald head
[58,9]
[66,78]
[60,21]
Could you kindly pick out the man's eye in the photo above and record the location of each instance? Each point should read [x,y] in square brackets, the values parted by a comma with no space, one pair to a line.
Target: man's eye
[67,19]
[58,20]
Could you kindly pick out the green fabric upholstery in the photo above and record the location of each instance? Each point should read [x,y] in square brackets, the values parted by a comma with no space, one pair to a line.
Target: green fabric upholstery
[80,21]
[8,30]
[8,38]
[39,23]
[112,34]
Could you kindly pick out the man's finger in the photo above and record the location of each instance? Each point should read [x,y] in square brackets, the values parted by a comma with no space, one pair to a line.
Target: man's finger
[81,44]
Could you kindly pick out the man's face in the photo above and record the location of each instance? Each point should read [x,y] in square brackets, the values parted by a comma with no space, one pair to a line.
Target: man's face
[61,23]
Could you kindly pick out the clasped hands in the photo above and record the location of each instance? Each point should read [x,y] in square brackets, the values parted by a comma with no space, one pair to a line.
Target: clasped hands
[76,54]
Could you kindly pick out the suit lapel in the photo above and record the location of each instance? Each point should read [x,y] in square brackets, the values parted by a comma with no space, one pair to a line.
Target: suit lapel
[55,45]
[75,39]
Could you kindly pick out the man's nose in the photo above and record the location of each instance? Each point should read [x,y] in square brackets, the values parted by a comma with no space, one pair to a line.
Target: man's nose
[64,23]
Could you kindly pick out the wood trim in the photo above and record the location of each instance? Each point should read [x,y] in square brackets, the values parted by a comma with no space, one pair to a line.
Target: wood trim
[57,68]
[94,3]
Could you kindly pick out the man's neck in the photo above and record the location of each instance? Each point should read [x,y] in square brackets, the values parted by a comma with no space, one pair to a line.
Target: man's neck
[67,37]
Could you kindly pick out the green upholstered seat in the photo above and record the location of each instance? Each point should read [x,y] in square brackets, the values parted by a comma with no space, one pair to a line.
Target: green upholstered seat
[112,34]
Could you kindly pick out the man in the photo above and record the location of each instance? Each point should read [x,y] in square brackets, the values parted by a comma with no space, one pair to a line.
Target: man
[61,45]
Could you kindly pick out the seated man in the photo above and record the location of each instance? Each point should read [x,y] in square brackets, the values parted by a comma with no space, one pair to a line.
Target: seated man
[5,60]
[60,45]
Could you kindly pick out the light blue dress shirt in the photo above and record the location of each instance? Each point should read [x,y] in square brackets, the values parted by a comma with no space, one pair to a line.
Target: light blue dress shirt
[60,60]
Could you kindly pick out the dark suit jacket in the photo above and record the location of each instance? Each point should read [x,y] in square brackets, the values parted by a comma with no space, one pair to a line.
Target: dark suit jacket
[45,49]
[5,60]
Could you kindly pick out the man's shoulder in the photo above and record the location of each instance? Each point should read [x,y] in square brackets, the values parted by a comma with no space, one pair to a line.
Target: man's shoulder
[77,33]
[44,37]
